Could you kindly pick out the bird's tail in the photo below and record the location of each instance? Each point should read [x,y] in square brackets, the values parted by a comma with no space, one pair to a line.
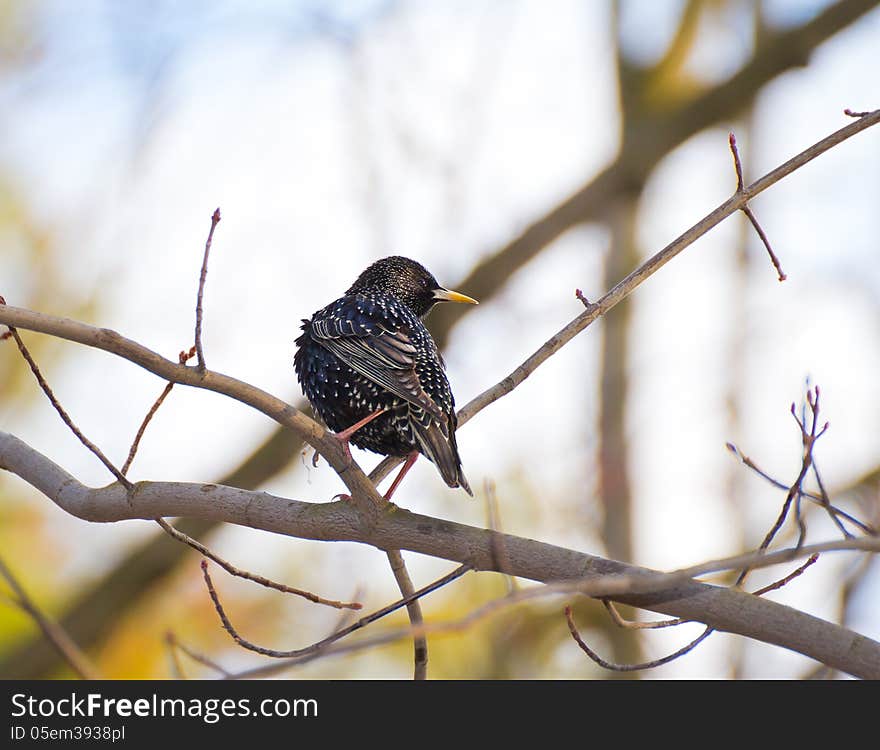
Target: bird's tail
[440,447]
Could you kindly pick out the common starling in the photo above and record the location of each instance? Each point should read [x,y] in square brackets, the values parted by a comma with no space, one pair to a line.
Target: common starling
[372,371]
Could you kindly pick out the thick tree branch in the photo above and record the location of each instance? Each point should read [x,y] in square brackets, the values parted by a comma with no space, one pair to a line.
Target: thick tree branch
[721,608]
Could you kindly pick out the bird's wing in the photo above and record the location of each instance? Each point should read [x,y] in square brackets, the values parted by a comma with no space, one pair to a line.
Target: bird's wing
[378,349]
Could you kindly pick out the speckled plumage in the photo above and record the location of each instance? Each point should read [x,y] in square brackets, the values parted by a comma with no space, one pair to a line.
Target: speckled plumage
[370,350]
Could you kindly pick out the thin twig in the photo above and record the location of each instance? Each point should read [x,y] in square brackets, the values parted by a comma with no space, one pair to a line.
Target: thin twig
[248,576]
[215,220]
[790,577]
[740,188]
[826,502]
[572,628]
[183,358]
[55,634]
[346,616]
[809,441]
[637,625]
[322,644]
[809,438]
[467,621]
[455,626]
[634,625]
[749,463]
[60,409]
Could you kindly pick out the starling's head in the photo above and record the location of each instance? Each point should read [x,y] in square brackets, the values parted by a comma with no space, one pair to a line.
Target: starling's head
[407,281]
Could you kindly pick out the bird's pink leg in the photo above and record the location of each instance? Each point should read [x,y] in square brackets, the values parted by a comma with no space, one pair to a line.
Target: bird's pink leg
[345,436]
[407,465]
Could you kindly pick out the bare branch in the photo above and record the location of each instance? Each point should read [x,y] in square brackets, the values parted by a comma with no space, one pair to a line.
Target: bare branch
[674,594]
[748,211]
[572,628]
[580,295]
[790,577]
[247,575]
[808,438]
[182,358]
[317,648]
[633,625]
[622,622]
[215,220]
[748,462]
[60,409]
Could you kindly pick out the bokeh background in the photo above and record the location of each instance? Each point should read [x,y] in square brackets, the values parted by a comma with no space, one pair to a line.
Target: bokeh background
[520,150]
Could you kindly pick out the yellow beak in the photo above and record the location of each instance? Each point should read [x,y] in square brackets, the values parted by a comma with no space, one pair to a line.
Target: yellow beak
[448,296]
